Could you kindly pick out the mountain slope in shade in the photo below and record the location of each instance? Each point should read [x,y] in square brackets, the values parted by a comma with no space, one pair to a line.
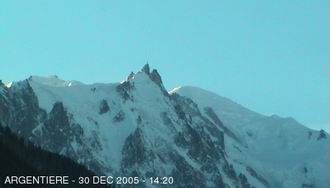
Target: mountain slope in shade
[137,128]
[287,152]
[19,158]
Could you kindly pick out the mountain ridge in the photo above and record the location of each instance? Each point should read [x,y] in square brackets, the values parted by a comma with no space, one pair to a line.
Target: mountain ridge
[145,130]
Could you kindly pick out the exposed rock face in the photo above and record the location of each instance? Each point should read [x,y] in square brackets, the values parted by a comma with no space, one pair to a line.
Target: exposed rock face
[154,76]
[120,116]
[257,176]
[185,175]
[209,111]
[322,135]
[4,106]
[146,69]
[104,107]
[243,181]
[135,151]
[53,131]
[124,90]
[57,132]
[24,104]
[130,76]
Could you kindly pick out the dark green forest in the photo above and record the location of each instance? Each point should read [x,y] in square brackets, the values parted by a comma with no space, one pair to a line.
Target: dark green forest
[19,157]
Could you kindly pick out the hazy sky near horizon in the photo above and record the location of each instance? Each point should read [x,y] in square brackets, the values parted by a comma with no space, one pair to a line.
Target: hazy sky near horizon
[270,56]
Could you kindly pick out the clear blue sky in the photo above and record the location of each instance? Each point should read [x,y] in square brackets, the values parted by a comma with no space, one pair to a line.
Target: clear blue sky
[271,56]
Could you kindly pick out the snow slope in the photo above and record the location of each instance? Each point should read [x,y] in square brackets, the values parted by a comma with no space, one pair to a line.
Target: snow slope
[281,148]
[140,110]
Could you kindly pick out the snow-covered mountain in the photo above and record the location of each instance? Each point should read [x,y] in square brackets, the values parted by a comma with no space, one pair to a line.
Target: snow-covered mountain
[287,153]
[138,128]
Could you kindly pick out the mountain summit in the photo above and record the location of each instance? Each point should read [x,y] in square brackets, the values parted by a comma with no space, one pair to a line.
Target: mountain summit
[137,128]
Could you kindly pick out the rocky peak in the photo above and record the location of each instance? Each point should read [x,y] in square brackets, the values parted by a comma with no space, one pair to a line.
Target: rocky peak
[130,76]
[21,85]
[146,69]
[154,76]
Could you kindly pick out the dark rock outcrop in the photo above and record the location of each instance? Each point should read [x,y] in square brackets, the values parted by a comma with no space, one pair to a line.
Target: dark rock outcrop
[209,111]
[25,106]
[146,69]
[57,132]
[124,90]
[130,76]
[154,76]
[254,174]
[322,135]
[243,181]
[134,150]
[120,116]
[104,107]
